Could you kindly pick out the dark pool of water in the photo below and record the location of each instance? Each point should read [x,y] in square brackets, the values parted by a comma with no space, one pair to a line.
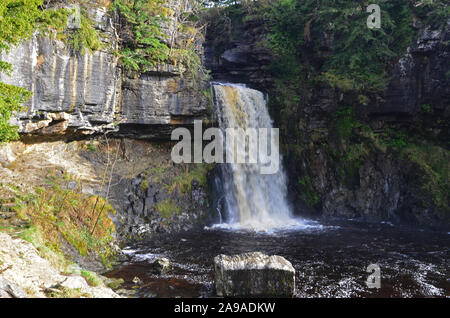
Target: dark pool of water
[330,261]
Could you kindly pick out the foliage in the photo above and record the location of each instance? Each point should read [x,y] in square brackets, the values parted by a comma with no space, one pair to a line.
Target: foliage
[12,99]
[53,21]
[183,182]
[167,208]
[360,56]
[84,38]
[17,22]
[143,18]
[91,278]
[147,44]
[307,191]
[54,213]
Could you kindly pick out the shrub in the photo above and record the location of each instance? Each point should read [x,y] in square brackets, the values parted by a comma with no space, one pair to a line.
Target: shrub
[54,213]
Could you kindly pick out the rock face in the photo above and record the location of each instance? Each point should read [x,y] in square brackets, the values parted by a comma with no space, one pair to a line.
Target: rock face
[78,94]
[254,274]
[383,186]
[239,57]
[10,290]
[149,207]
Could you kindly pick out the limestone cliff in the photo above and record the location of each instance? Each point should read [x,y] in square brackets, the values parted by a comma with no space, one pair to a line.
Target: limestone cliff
[78,94]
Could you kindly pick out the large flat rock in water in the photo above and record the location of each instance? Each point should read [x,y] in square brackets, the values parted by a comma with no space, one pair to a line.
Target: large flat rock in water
[254,274]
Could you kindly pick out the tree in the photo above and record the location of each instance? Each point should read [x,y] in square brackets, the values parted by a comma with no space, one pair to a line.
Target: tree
[17,23]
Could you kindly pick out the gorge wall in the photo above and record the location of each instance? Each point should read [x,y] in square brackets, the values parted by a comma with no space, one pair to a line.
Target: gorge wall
[382,159]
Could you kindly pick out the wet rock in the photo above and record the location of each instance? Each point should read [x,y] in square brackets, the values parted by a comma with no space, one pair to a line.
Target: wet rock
[138,215]
[137,280]
[161,266]
[254,274]
[113,283]
[127,293]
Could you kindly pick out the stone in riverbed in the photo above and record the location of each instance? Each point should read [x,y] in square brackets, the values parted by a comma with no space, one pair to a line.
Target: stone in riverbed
[254,274]
[161,266]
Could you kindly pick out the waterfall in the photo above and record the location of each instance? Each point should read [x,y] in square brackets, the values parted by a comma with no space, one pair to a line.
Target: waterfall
[251,200]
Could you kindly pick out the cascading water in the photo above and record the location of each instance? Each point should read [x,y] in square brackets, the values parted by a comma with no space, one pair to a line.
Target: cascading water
[251,200]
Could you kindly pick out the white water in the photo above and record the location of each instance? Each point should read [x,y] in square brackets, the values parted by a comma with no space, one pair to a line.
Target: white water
[253,201]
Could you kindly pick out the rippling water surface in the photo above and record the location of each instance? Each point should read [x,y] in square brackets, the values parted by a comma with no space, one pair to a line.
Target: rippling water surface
[330,260]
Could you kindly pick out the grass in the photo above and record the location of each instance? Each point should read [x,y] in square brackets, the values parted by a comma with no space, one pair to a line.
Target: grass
[64,292]
[183,182]
[55,216]
[167,209]
[91,278]
[91,147]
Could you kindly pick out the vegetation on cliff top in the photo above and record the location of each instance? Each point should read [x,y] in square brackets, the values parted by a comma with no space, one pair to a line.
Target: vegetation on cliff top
[142,22]
[156,32]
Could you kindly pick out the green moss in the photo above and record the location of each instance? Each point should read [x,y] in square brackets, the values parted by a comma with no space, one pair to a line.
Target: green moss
[114,283]
[397,140]
[307,192]
[91,278]
[433,177]
[183,182]
[167,209]
[427,108]
[144,185]
[208,94]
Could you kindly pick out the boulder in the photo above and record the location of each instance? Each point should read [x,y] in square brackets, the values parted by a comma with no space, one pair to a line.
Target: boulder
[161,266]
[254,274]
